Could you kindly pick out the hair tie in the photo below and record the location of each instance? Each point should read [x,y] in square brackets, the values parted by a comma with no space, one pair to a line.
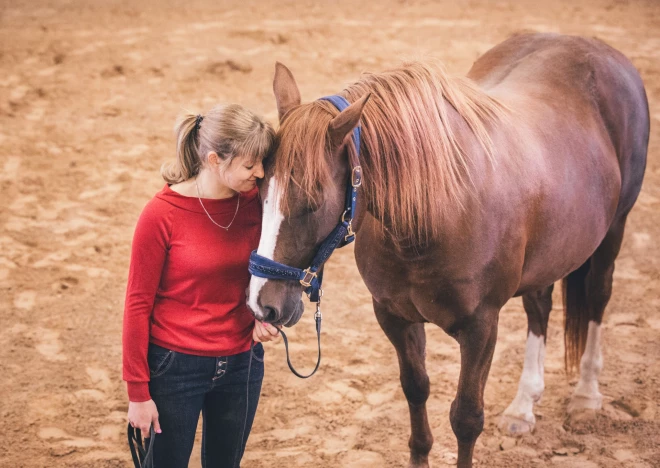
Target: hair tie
[198,121]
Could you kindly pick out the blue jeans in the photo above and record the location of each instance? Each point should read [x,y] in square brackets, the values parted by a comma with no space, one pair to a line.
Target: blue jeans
[183,385]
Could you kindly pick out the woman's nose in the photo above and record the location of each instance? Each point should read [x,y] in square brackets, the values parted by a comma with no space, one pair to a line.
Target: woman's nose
[259,171]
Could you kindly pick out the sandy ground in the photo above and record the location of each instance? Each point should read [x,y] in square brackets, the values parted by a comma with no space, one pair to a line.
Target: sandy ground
[88,95]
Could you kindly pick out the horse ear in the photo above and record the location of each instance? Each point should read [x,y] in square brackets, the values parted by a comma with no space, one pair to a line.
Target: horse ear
[285,88]
[346,121]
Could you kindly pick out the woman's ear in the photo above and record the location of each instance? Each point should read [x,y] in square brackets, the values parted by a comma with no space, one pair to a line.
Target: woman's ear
[213,160]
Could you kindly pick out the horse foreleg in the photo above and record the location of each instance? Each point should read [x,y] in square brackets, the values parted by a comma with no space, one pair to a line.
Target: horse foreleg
[476,338]
[519,418]
[409,340]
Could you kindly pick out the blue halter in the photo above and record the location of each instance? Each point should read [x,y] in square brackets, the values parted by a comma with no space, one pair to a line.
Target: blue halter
[340,236]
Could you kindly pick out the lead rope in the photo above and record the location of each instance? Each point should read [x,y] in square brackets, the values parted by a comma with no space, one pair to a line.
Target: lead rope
[141,452]
[317,318]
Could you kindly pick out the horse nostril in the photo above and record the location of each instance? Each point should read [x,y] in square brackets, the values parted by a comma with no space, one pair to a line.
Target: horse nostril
[271,314]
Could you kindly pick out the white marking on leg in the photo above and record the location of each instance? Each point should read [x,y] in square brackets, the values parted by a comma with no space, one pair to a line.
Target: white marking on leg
[586,394]
[531,383]
[270,228]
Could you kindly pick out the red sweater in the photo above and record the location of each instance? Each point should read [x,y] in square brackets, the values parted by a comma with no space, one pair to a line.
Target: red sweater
[187,281]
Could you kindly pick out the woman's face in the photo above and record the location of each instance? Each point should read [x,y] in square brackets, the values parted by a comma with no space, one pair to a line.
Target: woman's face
[241,174]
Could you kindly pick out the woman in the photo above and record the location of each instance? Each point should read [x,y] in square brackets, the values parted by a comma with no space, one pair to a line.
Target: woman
[187,330]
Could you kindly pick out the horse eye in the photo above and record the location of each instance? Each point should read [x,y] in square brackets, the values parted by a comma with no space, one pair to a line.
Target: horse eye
[312,206]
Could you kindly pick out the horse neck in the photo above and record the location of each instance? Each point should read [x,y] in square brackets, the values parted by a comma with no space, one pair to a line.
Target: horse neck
[428,187]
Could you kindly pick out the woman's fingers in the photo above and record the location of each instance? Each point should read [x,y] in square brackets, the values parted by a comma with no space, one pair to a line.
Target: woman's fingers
[142,415]
[156,424]
[264,332]
[271,332]
[271,329]
[256,333]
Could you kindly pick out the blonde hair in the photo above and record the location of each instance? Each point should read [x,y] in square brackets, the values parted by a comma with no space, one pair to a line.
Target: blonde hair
[229,130]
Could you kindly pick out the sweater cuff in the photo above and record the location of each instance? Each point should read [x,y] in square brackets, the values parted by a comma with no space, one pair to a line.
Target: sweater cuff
[138,391]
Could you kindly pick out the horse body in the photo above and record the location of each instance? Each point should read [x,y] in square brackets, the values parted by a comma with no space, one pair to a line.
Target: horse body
[561,158]
[547,195]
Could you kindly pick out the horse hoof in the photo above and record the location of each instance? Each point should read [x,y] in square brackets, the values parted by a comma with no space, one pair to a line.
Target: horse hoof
[579,403]
[419,463]
[515,426]
[580,421]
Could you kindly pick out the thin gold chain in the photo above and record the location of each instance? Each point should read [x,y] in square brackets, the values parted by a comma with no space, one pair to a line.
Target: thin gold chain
[238,203]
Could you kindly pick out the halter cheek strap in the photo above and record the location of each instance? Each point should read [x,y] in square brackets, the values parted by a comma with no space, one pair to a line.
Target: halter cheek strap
[356,171]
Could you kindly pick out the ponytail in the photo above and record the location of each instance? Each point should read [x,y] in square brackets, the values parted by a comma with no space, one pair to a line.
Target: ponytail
[188,162]
[229,131]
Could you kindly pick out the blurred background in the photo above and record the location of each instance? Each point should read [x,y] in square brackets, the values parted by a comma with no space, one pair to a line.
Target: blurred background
[89,92]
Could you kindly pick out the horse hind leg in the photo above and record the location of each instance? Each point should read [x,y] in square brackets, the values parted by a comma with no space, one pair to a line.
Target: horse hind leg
[586,296]
[519,417]
[409,340]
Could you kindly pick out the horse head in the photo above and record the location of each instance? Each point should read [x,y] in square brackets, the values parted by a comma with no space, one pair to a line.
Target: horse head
[303,193]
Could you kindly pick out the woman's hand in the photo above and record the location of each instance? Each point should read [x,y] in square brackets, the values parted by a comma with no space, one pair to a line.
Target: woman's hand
[142,415]
[264,332]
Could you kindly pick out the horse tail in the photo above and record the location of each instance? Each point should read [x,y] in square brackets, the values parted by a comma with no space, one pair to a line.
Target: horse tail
[576,316]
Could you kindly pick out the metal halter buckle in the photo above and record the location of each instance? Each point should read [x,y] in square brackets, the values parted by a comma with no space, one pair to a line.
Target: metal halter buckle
[356,176]
[308,278]
[349,231]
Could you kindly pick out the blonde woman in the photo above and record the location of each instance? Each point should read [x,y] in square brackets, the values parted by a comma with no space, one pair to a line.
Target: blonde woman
[187,330]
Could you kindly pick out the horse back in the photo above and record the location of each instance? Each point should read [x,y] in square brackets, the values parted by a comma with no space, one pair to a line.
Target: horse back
[579,150]
[588,72]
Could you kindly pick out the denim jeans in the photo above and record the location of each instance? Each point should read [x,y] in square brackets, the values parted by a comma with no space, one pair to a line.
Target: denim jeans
[183,385]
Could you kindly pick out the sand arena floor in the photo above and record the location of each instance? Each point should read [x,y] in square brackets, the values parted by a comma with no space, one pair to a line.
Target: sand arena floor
[88,95]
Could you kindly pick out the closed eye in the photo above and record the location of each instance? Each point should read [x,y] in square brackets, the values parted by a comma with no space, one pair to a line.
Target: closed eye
[312,206]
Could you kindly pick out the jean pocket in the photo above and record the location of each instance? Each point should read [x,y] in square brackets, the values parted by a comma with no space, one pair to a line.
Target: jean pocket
[160,360]
[258,352]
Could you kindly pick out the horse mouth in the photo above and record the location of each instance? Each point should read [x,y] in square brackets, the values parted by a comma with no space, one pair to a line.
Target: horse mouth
[294,318]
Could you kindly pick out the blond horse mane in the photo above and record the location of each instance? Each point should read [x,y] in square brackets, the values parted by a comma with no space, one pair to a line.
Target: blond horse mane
[414,168]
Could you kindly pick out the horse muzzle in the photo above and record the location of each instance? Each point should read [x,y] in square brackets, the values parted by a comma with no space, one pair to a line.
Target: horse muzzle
[275,302]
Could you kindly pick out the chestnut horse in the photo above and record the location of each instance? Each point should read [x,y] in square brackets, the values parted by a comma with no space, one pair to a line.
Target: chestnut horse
[475,190]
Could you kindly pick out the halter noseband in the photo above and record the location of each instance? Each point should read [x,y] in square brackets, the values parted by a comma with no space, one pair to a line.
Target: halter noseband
[340,236]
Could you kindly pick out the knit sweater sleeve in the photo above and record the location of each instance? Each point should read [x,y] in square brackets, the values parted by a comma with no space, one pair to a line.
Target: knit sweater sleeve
[148,254]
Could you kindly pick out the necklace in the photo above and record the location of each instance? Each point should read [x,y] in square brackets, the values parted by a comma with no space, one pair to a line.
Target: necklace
[238,203]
